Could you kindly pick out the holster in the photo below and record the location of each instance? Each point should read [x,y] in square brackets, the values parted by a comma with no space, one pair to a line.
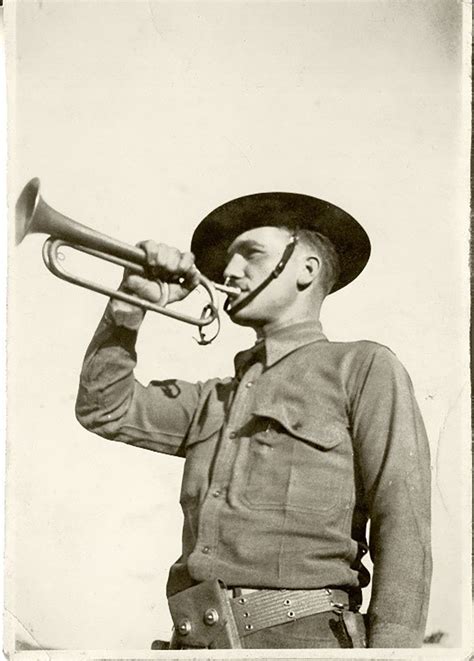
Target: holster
[355,628]
[203,618]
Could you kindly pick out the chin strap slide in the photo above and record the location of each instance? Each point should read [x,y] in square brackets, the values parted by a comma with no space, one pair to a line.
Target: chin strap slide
[289,250]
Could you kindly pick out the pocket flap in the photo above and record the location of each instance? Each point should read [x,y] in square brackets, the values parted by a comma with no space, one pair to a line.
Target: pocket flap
[322,433]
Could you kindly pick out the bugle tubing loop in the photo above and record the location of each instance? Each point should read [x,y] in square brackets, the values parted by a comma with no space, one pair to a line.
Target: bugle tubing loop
[34,215]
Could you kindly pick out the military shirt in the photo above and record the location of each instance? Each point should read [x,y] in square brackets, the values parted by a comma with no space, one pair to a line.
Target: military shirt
[285,464]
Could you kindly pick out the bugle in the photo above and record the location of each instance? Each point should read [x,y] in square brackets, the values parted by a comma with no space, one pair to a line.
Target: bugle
[34,215]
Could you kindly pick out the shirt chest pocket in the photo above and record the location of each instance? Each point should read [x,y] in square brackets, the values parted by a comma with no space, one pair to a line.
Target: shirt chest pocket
[307,468]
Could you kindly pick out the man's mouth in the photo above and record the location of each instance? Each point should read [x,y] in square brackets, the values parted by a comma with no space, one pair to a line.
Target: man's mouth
[234,294]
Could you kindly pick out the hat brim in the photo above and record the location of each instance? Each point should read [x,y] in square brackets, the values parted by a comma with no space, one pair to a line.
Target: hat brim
[217,230]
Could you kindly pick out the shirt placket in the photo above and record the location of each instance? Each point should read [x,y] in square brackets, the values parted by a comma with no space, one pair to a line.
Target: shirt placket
[216,497]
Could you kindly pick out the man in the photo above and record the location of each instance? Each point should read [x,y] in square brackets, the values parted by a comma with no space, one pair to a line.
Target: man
[286,462]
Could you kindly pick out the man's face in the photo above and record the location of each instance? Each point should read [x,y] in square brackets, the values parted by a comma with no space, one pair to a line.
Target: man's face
[251,258]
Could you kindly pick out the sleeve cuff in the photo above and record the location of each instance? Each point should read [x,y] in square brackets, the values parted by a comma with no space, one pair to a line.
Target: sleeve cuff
[128,318]
[388,634]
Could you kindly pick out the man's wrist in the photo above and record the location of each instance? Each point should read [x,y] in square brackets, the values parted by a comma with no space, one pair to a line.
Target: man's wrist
[124,315]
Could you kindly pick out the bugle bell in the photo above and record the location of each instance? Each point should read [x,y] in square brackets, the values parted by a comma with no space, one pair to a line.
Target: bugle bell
[34,215]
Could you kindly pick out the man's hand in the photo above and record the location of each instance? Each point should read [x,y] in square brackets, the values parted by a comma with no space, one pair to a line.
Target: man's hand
[165,264]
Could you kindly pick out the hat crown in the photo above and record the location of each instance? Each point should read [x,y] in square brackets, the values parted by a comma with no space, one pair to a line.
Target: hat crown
[219,228]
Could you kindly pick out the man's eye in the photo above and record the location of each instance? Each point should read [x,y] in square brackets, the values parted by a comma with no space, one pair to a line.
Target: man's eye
[253,253]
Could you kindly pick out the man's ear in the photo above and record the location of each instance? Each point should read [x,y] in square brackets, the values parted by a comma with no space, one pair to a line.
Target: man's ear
[310,269]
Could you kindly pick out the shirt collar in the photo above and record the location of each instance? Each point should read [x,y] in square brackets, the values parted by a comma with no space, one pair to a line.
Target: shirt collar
[279,342]
[285,339]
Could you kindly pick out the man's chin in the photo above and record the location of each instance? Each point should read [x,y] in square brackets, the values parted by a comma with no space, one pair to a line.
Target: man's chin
[243,317]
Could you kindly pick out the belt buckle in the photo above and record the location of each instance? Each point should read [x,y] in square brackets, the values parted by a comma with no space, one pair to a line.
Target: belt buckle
[336,606]
[236,592]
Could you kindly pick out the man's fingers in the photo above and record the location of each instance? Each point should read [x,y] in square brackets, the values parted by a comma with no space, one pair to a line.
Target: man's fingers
[169,264]
[151,250]
[193,278]
[188,270]
[186,262]
[159,256]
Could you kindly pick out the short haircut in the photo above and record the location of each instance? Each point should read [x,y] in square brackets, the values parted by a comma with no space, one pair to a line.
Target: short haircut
[330,264]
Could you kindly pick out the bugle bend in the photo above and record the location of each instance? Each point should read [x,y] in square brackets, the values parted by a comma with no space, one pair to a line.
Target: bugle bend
[34,215]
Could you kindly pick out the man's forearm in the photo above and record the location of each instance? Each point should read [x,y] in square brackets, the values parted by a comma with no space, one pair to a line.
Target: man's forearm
[107,382]
[113,404]
[401,553]
[393,458]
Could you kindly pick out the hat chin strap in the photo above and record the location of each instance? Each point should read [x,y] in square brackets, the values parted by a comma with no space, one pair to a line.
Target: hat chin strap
[285,258]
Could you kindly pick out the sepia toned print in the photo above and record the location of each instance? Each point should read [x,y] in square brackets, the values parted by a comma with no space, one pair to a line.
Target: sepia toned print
[297,479]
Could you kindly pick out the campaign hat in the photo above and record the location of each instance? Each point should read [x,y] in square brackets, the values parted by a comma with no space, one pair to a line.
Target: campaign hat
[218,229]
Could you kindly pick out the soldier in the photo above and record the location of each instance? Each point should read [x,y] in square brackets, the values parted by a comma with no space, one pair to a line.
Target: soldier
[287,461]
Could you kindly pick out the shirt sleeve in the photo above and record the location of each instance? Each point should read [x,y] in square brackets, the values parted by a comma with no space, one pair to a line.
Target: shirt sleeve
[113,404]
[393,458]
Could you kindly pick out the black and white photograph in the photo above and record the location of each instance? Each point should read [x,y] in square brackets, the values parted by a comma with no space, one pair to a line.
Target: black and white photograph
[238,329]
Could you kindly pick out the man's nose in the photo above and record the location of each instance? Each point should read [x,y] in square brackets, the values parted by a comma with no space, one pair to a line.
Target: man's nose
[234,268]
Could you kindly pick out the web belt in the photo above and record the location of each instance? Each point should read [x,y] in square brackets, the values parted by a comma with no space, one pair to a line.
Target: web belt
[207,616]
[268,608]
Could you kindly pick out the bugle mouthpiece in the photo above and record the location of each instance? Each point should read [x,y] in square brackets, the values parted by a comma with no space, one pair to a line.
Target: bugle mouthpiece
[227,289]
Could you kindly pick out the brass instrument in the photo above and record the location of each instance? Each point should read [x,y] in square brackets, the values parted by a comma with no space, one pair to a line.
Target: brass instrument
[34,215]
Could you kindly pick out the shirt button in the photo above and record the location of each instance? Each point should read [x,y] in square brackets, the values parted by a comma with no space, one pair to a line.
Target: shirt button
[232,434]
[216,493]
[206,550]
[249,384]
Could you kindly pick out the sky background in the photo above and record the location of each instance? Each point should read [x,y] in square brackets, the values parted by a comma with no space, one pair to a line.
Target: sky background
[140,118]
